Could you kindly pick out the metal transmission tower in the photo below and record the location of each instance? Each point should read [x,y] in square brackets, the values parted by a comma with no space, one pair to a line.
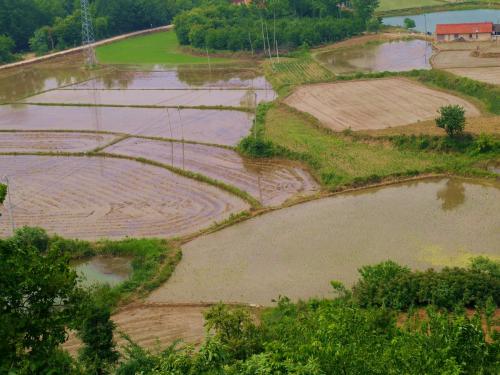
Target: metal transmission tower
[88,33]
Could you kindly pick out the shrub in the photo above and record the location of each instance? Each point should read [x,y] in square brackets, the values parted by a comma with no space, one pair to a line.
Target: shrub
[3,192]
[451,119]
[409,23]
[31,237]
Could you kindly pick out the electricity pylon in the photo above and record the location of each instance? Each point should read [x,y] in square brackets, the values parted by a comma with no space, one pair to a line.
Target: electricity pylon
[88,34]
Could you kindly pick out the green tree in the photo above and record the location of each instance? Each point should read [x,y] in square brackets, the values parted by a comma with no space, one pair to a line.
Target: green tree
[96,332]
[3,192]
[6,48]
[373,24]
[451,119]
[39,299]
[409,23]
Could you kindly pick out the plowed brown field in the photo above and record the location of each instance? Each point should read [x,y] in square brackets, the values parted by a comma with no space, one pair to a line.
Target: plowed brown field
[90,198]
[62,142]
[462,59]
[372,104]
[155,325]
[487,75]
[271,182]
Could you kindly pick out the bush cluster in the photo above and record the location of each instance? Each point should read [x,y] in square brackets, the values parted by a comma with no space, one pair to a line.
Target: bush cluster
[391,285]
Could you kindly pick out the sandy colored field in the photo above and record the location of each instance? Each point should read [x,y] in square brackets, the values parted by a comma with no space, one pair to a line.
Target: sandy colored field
[297,251]
[271,182]
[155,325]
[180,78]
[487,75]
[474,125]
[211,126]
[201,97]
[90,198]
[372,104]
[63,142]
[462,59]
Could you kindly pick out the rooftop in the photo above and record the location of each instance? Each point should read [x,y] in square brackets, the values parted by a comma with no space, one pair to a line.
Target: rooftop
[464,28]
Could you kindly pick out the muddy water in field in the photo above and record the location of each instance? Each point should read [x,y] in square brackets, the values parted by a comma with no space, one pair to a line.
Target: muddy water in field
[180,78]
[55,142]
[298,250]
[91,198]
[20,82]
[394,56]
[189,97]
[210,126]
[103,270]
[270,182]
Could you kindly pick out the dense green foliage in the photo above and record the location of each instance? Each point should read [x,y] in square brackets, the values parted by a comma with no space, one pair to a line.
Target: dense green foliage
[3,192]
[45,25]
[39,298]
[327,337]
[6,49]
[391,285]
[451,119]
[261,26]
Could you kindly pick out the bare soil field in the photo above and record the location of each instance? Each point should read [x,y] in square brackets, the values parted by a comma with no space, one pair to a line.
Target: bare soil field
[210,126]
[175,79]
[488,75]
[154,326]
[462,59]
[391,102]
[271,182]
[56,142]
[91,198]
[474,125]
[173,98]
[297,251]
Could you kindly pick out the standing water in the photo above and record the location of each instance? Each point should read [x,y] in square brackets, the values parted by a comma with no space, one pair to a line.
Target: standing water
[103,270]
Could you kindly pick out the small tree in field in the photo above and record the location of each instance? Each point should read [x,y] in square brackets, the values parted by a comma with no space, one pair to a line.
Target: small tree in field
[409,23]
[451,119]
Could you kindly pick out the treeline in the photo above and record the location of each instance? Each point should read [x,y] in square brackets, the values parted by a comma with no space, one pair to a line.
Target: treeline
[45,25]
[263,25]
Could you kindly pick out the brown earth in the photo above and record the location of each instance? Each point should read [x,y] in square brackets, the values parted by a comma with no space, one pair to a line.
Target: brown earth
[91,198]
[272,182]
[372,104]
[62,142]
[154,326]
[474,125]
[462,59]
[488,75]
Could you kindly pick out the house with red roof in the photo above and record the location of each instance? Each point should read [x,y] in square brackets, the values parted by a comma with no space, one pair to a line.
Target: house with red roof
[479,31]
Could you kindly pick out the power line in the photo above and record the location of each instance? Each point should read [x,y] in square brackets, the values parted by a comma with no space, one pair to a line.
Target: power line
[88,39]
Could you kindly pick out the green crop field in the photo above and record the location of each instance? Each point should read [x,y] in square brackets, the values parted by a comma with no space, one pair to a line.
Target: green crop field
[157,48]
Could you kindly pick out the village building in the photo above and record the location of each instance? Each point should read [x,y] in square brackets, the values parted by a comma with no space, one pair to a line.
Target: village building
[482,31]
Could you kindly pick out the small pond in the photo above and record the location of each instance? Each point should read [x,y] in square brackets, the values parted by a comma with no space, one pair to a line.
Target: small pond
[394,56]
[429,21]
[103,270]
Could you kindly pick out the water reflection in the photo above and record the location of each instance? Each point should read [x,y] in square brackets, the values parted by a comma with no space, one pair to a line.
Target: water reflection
[393,56]
[452,195]
[103,270]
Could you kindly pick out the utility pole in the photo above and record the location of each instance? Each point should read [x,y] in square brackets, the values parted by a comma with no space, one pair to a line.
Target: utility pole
[9,201]
[88,39]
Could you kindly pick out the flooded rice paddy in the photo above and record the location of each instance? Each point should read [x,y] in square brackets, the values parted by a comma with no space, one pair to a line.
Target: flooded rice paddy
[175,79]
[394,56]
[271,182]
[428,21]
[54,142]
[297,251]
[173,98]
[210,126]
[91,198]
[103,270]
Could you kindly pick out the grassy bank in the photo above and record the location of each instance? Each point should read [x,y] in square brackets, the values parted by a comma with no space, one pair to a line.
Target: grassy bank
[156,48]
[390,8]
